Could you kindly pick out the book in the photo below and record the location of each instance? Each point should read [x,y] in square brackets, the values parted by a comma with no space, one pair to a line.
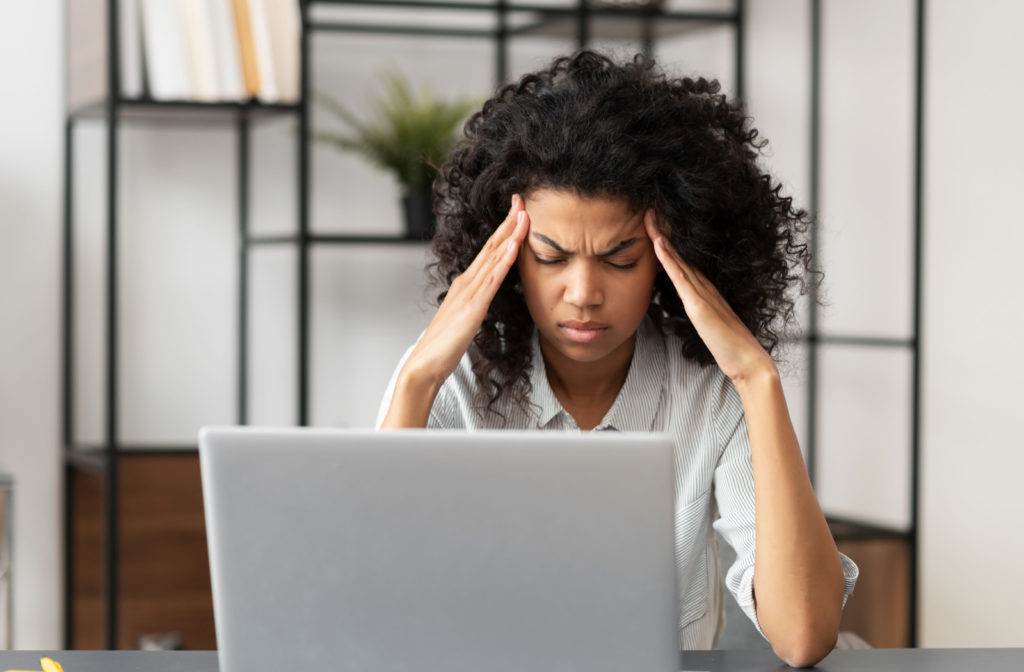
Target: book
[130,45]
[246,48]
[264,56]
[284,21]
[199,50]
[225,50]
[164,48]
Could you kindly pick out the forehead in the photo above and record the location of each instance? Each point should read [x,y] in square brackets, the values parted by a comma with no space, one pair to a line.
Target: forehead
[570,218]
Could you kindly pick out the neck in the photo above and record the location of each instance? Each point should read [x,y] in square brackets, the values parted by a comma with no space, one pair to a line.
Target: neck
[570,379]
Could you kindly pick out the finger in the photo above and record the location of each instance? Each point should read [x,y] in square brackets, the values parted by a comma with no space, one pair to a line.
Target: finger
[522,228]
[688,269]
[684,286]
[669,258]
[497,243]
[651,224]
[692,273]
[506,255]
[702,289]
[508,224]
[695,274]
[494,242]
[493,265]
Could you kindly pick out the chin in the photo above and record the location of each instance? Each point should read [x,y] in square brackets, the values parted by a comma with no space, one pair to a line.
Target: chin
[584,352]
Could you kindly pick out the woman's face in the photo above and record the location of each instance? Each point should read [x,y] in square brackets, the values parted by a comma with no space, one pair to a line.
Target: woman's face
[587,268]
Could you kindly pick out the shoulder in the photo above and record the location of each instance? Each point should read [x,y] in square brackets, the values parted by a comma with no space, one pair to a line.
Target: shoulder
[462,403]
[704,391]
[462,382]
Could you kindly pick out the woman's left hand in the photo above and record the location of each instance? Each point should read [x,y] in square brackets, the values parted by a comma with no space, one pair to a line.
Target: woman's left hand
[735,349]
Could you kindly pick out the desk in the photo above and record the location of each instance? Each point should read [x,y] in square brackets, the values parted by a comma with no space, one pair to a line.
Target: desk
[854,660]
[865,660]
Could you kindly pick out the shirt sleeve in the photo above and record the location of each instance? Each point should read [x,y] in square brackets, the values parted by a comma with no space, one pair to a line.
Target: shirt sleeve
[385,402]
[734,495]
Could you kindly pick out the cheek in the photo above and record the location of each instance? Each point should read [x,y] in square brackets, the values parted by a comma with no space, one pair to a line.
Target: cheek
[650,272]
[635,293]
[534,286]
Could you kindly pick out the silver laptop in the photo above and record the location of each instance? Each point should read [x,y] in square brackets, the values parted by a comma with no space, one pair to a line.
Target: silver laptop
[427,551]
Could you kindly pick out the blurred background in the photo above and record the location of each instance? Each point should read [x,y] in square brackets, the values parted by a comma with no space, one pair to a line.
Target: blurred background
[902,387]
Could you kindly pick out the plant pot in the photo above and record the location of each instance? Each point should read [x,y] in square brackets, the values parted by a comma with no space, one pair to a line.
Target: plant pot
[419,215]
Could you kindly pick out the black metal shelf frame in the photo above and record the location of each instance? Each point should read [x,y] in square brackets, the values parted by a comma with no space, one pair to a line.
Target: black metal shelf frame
[814,338]
[113,111]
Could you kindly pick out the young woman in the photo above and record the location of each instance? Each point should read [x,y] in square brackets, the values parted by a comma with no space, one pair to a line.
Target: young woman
[613,258]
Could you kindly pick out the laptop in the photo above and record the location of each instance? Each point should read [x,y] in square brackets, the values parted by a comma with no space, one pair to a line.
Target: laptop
[431,551]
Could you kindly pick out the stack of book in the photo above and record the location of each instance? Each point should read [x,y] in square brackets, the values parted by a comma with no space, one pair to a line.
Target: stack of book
[210,50]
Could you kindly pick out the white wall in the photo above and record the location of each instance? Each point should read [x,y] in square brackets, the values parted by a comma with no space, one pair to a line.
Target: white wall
[972,587]
[970,584]
[179,274]
[31,132]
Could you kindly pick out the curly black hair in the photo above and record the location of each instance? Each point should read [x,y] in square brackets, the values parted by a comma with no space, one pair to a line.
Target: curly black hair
[594,127]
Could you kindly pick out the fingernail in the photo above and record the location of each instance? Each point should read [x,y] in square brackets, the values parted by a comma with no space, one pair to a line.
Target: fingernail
[511,245]
[661,242]
[520,217]
[515,198]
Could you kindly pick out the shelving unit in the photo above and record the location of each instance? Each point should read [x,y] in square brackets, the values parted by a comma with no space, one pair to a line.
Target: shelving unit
[853,532]
[501,21]
[506,21]
[105,460]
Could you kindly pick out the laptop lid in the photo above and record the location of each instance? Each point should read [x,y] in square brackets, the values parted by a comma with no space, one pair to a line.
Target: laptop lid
[428,550]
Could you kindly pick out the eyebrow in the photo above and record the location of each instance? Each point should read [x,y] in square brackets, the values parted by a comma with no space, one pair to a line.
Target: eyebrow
[607,253]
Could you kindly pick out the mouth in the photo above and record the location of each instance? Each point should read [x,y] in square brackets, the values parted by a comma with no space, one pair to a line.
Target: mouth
[583,332]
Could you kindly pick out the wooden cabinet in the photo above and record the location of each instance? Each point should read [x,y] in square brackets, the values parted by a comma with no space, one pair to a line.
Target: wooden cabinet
[163,565]
[879,609]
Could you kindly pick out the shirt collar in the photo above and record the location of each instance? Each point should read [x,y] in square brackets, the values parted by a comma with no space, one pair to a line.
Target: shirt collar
[637,403]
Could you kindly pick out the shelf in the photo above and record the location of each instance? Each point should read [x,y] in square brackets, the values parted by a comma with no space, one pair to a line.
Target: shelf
[856,341]
[93,457]
[410,4]
[568,8]
[133,448]
[868,341]
[336,239]
[845,529]
[451,19]
[88,461]
[620,24]
[93,506]
[183,111]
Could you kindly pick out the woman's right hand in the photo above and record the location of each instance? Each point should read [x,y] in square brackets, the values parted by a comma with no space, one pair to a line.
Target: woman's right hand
[456,323]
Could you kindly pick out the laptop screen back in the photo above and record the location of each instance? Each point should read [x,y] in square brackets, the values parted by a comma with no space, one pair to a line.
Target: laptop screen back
[426,550]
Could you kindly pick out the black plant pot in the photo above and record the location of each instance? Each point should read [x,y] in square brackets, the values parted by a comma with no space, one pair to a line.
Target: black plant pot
[419,215]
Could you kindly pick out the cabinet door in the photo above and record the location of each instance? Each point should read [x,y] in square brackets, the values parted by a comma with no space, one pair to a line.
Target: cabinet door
[162,564]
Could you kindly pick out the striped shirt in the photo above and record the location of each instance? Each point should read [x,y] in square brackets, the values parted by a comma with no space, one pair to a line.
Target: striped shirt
[714,481]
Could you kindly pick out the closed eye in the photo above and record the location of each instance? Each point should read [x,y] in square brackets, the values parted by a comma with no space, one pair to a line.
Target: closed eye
[549,262]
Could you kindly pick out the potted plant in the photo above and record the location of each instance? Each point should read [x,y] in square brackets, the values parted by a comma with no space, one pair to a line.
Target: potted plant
[408,134]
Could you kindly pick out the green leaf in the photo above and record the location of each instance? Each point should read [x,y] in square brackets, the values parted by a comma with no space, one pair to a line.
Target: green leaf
[405,132]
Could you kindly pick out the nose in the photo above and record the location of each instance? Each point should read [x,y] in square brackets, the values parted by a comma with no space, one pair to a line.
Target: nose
[583,286]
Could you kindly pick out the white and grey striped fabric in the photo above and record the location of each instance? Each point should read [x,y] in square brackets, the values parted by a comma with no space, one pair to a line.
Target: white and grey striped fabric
[697,405]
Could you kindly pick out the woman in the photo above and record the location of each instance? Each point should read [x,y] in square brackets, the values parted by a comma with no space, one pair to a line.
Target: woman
[614,258]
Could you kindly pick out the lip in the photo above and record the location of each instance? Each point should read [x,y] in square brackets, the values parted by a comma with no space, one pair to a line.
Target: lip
[582,332]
